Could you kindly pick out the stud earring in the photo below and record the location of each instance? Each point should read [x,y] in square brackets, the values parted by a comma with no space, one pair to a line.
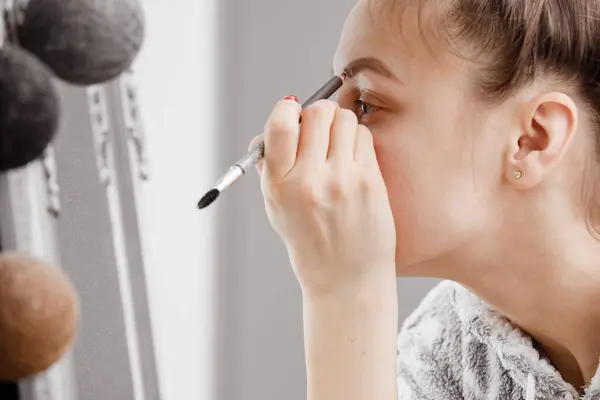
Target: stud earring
[518,174]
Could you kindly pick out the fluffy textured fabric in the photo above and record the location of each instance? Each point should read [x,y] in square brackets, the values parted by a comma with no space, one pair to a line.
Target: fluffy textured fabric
[455,347]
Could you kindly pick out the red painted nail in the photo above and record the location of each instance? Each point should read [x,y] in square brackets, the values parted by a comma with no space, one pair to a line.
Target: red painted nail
[291,98]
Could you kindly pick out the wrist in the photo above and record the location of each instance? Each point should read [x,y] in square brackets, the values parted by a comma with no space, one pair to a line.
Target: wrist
[379,292]
[350,340]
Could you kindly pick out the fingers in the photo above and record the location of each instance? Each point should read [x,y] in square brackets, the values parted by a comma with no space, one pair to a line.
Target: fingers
[315,132]
[327,134]
[281,138]
[343,137]
[364,149]
[253,143]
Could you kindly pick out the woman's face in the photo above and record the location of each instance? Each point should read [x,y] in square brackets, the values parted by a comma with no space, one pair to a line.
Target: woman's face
[440,150]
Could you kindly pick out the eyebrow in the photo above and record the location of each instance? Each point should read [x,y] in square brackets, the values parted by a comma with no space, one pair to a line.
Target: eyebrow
[369,64]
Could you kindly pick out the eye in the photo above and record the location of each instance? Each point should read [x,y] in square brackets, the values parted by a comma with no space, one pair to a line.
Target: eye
[364,110]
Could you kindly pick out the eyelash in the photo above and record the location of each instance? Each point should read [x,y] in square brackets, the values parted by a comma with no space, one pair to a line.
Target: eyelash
[359,105]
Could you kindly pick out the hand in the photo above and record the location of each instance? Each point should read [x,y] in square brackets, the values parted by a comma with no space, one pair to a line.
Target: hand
[326,198]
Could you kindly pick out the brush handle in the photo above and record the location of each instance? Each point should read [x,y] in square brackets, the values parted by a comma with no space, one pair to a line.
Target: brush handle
[326,91]
[258,151]
[252,158]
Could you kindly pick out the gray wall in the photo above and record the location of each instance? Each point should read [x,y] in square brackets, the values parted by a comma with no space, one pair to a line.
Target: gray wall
[269,49]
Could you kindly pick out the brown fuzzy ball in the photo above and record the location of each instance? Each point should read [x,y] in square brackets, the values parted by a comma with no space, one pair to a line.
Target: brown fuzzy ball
[84,42]
[39,314]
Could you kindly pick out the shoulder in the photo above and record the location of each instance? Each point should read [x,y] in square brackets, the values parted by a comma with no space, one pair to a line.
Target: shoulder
[451,348]
[432,324]
[430,346]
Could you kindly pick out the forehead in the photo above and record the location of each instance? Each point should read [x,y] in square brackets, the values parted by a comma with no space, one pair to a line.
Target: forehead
[359,36]
[395,32]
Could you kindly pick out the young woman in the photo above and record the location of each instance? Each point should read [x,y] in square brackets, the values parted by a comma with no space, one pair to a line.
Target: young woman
[464,146]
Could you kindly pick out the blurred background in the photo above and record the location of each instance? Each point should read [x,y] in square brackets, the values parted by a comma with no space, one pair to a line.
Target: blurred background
[177,303]
[226,305]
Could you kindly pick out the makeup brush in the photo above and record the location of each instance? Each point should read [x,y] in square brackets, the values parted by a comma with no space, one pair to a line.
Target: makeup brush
[244,164]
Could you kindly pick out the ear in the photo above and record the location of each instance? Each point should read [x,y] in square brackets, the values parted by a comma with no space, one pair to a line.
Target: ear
[547,126]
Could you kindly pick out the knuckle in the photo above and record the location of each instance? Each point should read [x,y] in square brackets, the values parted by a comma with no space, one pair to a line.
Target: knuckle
[307,193]
[300,192]
[338,189]
[365,183]
[369,184]
[364,187]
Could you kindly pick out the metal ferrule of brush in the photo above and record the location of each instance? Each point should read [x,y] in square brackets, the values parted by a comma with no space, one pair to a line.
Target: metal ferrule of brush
[240,168]
[229,178]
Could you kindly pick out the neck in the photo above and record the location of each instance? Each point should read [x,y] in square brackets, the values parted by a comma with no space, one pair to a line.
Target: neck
[551,290]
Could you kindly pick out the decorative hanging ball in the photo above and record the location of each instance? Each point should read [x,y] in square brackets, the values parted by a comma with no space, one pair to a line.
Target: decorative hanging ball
[29,108]
[84,42]
[39,314]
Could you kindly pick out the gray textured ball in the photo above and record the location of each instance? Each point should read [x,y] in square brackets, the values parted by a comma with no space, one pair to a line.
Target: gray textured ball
[84,42]
[29,108]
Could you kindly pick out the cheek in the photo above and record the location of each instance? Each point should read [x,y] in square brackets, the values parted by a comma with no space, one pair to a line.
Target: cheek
[434,194]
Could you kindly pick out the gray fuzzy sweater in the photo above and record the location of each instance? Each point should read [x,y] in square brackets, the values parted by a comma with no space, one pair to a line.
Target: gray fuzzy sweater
[455,347]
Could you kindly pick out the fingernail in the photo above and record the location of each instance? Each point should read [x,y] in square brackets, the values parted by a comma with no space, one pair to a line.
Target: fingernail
[291,97]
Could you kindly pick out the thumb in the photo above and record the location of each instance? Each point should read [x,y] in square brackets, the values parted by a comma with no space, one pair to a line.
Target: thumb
[254,143]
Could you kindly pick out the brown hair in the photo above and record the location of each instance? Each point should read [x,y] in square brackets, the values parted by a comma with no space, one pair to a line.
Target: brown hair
[525,39]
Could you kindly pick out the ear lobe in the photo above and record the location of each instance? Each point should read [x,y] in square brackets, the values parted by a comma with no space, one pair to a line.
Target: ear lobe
[547,131]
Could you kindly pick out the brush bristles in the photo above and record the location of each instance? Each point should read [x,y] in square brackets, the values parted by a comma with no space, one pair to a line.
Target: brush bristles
[208,198]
